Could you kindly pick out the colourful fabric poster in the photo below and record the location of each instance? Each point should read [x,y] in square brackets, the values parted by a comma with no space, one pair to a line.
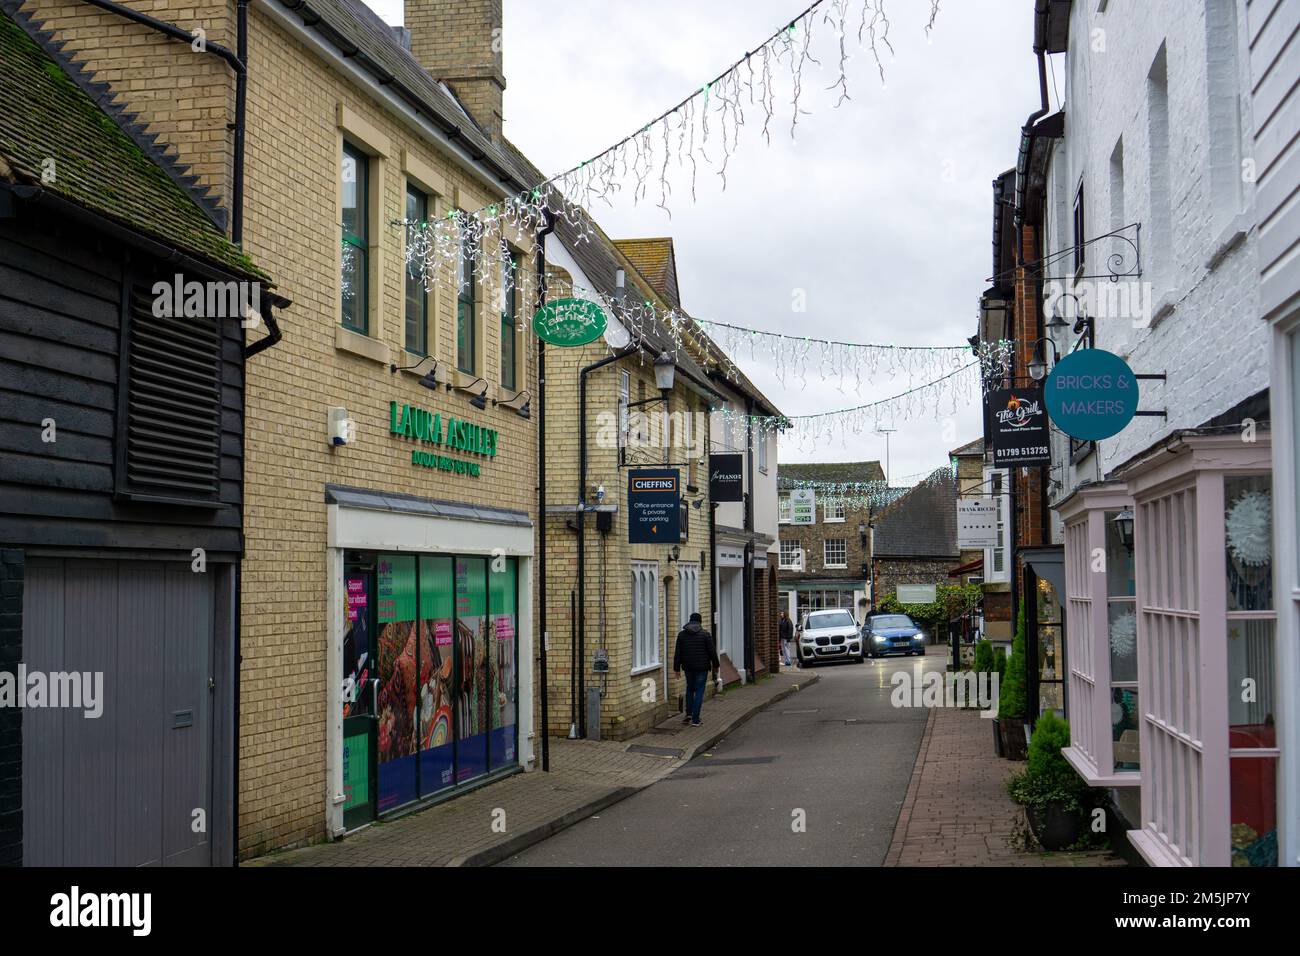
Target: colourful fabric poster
[503,594]
[471,651]
[437,610]
[398,680]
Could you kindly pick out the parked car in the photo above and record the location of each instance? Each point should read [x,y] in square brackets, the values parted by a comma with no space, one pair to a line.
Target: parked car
[829,635]
[892,634]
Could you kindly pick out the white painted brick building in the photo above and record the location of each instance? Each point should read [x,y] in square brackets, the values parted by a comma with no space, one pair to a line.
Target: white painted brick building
[1162,636]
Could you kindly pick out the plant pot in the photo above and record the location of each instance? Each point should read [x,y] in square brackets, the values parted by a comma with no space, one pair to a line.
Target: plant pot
[1013,737]
[997,737]
[1054,826]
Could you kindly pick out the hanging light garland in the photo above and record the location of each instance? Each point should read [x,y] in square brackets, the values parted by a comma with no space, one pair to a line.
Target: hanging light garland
[816,431]
[862,495]
[797,358]
[703,128]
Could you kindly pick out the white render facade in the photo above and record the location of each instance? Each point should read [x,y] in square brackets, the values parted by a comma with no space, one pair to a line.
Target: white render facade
[1165,632]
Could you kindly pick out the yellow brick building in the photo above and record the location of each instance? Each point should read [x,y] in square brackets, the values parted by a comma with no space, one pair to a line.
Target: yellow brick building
[331,93]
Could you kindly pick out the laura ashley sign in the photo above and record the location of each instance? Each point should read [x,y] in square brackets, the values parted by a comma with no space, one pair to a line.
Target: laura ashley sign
[420,424]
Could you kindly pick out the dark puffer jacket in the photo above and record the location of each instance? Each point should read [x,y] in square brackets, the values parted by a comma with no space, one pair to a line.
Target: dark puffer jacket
[695,650]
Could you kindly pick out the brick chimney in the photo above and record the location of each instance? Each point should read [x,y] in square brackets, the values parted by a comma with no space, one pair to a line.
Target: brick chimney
[459,42]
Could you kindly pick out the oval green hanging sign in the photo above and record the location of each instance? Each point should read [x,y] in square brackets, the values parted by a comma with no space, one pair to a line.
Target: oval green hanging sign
[570,322]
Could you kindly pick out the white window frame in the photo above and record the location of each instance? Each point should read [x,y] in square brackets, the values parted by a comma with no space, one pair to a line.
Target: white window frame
[833,511]
[688,591]
[762,451]
[624,400]
[645,616]
[827,563]
[797,564]
[1087,632]
[783,507]
[992,573]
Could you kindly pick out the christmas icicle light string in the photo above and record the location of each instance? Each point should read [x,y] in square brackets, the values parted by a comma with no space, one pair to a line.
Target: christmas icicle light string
[873,495]
[817,430]
[703,127]
[796,358]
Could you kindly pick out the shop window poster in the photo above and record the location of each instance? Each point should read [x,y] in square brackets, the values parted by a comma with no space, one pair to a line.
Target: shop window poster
[471,638]
[398,680]
[357,666]
[503,593]
[437,607]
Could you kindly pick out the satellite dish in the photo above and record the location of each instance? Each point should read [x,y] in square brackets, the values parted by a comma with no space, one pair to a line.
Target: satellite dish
[616,334]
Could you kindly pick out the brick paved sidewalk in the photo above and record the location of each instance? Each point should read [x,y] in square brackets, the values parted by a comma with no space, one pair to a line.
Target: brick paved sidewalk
[957,812]
[586,776]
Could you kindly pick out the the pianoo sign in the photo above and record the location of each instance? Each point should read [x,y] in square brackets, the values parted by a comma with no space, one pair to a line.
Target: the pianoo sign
[420,424]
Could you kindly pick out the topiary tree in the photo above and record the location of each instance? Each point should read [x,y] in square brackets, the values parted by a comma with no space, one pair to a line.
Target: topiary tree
[984,659]
[1048,777]
[1011,693]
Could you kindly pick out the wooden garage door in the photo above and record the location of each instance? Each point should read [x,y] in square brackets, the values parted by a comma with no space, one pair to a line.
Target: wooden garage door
[126,788]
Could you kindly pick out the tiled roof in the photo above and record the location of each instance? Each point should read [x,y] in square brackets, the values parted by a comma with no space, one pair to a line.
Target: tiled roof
[969,449]
[45,116]
[839,472]
[923,523]
[654,259]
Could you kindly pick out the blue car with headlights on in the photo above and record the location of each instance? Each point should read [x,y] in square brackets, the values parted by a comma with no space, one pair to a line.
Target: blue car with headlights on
[892,634]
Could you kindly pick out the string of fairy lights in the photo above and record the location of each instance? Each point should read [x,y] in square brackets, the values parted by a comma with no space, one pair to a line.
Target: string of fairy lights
[700,132]
[873,496]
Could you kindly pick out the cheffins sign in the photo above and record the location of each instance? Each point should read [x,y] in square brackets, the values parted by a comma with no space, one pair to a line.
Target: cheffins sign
[653,506]
[1092,394]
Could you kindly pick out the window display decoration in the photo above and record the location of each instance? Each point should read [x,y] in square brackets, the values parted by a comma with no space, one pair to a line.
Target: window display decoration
[1123,634]
[1249,525]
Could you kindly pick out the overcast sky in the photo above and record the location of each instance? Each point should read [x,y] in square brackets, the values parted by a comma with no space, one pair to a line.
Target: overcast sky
[881,211]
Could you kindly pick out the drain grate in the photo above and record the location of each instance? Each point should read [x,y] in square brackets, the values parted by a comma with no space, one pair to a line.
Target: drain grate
[654,751]
[813,711]
[738,761]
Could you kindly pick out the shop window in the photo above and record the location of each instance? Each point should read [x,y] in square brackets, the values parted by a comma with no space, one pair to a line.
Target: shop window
[1121,637]
[1252,663]
[356,239]
[835,553]
[510,325]
[645,615]
[417,296]
[467,308]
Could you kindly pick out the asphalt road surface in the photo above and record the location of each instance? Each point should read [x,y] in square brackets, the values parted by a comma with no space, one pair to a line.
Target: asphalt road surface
[837,756]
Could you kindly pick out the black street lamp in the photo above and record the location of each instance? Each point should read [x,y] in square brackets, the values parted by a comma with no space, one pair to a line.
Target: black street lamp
[1124,527]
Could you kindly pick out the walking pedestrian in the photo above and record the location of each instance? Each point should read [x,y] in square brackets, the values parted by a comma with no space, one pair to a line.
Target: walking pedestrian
[787,635]
[696,654]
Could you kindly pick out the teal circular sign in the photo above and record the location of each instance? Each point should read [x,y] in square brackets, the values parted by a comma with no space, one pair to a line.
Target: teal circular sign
[1091,394]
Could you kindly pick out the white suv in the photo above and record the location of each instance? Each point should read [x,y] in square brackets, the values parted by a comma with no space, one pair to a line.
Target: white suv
[830,635]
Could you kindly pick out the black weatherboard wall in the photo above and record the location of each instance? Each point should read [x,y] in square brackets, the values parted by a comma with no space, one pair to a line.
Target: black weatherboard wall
[140,412]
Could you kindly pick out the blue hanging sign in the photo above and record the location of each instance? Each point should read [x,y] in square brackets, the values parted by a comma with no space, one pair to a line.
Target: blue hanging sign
[1091,394]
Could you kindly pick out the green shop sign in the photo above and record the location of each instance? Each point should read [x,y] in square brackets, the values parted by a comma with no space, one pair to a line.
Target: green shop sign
[569,322]
[455,434]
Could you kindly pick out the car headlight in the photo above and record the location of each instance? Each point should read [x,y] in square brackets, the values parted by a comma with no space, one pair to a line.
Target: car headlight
[879,639]
[918,636]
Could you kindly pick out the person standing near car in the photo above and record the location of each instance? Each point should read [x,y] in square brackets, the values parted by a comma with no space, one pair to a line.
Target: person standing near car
[696,654]
[787,635]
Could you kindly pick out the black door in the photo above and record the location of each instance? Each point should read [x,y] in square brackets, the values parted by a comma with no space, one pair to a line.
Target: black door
[360,682]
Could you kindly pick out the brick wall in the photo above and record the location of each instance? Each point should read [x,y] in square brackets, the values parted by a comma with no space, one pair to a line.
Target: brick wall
[291,230]
[11,718]
[812,539]
[459,42]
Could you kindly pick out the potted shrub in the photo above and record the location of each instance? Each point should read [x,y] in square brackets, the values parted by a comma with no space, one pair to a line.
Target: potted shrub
[1011,696]
[1052,794]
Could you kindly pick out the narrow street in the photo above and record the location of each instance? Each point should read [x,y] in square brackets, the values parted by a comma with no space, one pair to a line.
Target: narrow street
[838,751]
